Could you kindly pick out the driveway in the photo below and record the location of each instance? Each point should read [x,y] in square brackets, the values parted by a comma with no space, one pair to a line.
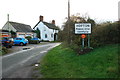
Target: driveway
[20,64]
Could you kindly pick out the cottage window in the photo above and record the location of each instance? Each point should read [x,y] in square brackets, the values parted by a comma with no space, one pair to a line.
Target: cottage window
[45,35]
[52,35]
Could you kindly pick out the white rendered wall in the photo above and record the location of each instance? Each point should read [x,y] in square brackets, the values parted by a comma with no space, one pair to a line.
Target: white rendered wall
[45,30]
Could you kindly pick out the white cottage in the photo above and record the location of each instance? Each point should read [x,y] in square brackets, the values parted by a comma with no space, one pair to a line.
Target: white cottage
[48,31]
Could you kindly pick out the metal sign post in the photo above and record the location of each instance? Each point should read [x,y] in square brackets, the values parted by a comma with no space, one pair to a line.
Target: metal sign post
[83,28]
[88,41]
[82,43]
[83,36]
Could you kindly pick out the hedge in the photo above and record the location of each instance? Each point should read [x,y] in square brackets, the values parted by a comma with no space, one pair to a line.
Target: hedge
[105,34]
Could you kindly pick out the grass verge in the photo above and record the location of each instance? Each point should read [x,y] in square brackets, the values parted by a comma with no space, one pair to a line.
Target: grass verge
[62,62]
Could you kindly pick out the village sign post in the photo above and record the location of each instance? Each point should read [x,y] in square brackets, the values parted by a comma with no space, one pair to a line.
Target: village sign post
[83,28]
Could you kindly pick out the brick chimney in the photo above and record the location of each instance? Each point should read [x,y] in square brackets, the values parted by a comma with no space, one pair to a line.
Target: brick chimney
[53,22]
[41,18]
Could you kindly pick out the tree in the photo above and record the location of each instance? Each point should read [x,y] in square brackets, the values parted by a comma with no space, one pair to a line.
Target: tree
[73,40]
[89,20]
[38,33]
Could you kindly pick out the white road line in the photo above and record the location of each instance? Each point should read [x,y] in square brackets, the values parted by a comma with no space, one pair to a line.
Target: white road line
[37,54]
[43,52]
[24,61]
[31,49]
[23,51]
[17,52]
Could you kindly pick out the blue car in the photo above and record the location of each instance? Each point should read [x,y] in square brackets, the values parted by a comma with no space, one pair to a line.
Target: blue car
[35,40]
[7,42]
[20,41]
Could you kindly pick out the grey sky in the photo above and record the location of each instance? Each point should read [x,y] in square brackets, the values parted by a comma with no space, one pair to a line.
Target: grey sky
[28,11]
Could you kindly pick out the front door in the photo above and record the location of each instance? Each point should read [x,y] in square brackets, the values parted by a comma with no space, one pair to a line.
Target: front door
[55,36]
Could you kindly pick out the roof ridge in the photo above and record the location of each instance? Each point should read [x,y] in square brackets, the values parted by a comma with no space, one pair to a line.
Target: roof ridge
[21,27]
[49,25]
[18,23]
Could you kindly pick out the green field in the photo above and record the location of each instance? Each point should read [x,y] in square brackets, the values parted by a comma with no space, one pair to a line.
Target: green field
[62,62]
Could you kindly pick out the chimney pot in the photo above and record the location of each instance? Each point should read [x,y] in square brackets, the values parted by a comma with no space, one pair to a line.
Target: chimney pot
[53,22]
[41,18]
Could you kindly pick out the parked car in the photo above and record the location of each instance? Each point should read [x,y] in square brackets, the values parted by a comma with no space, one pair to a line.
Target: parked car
[20,41]
[35,40]
[7,42]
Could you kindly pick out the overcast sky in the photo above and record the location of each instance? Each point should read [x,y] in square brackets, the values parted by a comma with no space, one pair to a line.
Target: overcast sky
[28,11]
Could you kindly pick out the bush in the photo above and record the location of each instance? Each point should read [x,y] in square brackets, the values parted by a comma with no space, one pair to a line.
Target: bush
[106,33]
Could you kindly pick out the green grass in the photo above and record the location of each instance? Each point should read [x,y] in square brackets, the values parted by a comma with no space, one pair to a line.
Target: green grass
[62,62]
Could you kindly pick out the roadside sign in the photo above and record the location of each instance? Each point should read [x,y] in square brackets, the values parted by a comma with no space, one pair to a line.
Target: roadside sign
[83,28]
[83,36]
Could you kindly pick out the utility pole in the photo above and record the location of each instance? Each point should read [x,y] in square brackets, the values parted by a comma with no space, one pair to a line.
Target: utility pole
[68,9]
[69,22]
[8,24]
[8,17]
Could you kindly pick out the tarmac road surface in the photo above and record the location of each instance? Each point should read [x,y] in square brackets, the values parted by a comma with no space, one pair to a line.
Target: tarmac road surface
[19,64]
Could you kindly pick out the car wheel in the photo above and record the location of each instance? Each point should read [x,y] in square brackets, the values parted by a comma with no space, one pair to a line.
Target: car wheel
[10,46]
[21,44]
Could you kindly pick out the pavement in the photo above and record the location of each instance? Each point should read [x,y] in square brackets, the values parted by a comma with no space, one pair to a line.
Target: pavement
[21,63]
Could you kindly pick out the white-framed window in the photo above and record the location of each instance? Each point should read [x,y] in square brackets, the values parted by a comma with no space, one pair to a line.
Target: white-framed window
[45,35]
[51,35]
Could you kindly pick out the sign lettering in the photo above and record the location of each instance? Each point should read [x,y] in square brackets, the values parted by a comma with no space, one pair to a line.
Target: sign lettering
[82,28]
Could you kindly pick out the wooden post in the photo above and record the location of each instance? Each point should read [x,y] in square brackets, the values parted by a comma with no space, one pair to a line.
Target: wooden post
[82,43]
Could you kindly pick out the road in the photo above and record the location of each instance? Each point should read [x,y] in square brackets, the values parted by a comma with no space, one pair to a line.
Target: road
[20,64]
[17,48]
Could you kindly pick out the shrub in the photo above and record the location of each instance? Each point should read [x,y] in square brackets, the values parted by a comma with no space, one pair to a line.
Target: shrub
[105,34]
